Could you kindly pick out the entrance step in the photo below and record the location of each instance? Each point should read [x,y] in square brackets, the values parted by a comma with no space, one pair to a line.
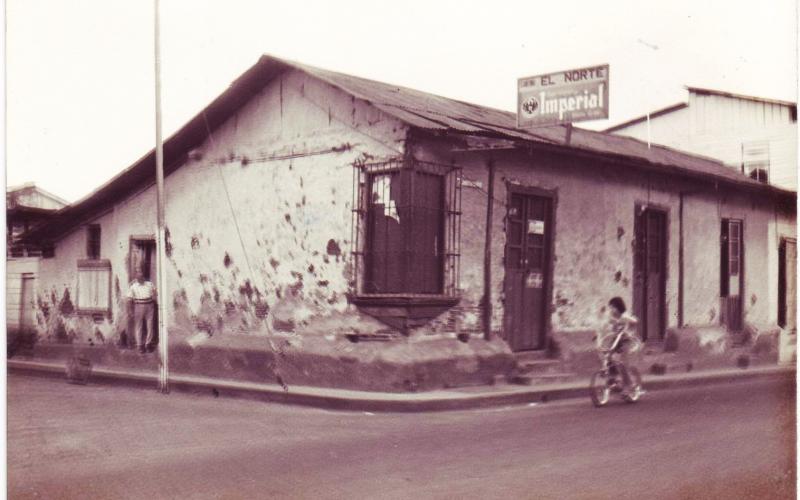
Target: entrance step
[534,368]
[538,367]
[528,356]
[542,378]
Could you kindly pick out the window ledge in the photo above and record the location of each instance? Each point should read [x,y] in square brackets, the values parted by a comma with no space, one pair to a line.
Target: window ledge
[93,312]
[94,263]
[403,300]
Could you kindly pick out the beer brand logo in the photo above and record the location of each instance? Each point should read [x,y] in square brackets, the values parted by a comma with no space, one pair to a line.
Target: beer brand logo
[530,105]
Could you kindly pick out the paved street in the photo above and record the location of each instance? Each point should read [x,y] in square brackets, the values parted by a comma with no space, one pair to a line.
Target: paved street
[724,441]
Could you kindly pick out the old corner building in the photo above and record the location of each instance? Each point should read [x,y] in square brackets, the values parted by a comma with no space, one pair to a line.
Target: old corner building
[308,209]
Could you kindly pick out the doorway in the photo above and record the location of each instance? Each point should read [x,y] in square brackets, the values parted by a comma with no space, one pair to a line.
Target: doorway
[528,268]
[142,254]
[650,271]
[787,284]
[731,274]
[27,313]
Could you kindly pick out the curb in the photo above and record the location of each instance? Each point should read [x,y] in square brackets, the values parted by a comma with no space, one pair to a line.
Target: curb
[349,400]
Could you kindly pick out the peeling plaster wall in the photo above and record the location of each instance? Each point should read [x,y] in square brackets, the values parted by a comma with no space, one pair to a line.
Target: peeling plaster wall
[594,232]
[783,225]
[286,159]
[701,247]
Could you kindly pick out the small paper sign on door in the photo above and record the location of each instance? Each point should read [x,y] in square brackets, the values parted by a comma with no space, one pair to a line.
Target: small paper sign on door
[535,226]
[534,280]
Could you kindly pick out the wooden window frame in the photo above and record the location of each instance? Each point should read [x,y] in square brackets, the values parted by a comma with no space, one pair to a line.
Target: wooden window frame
[93,245]
[726,259]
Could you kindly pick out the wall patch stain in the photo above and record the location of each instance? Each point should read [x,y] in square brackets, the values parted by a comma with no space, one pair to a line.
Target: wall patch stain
[167,243]
[195,242]
[227,261]
[246,289]
[262,309]
[44,307]
[66,307]
[274,263]
[333,248]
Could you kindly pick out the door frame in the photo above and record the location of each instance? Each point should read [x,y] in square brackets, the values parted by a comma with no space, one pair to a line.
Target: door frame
[724,320]
[552,195]
[132,239]
[783,302]
[639,208]
[31,279]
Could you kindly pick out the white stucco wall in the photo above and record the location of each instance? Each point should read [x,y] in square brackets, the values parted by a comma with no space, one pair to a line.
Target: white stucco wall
[594,231]
[286,160]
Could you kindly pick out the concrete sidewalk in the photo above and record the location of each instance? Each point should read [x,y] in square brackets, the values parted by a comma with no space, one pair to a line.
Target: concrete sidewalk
[342,399]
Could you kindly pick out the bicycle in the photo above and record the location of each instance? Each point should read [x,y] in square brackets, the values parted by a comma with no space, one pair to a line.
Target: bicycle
[609,379]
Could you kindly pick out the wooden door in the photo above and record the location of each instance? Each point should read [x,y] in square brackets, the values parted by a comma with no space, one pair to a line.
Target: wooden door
[528,269]
[731,274]
[650,264]
[27,313]
[787,284]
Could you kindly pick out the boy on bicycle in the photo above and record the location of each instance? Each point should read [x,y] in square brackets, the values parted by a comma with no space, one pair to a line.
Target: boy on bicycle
[619,335]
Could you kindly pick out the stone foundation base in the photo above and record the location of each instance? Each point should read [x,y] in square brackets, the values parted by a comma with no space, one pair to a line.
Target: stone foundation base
[401,365]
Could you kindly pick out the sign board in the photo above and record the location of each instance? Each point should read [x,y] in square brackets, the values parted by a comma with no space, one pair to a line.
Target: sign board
[535,226]
[563,97]
[534,280]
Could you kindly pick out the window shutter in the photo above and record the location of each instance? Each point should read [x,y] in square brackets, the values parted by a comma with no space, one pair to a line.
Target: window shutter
[94,286]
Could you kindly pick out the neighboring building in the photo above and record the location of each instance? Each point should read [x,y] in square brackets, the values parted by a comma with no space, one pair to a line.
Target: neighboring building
[26,207]
[754,135]
[305,202]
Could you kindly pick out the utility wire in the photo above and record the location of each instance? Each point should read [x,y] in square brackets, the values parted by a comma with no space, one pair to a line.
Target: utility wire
[272,347]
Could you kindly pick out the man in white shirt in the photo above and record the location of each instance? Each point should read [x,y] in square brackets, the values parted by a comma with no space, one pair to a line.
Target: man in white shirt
[142,294]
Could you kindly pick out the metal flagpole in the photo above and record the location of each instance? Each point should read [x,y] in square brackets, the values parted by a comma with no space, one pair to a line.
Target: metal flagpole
[163,342]
[654,48]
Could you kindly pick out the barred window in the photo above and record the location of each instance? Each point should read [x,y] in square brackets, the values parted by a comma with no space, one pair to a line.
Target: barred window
[407,229]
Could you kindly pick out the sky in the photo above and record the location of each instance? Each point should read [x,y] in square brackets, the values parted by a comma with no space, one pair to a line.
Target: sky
[80,74]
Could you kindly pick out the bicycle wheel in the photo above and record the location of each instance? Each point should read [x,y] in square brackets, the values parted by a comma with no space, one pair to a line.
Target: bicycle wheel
[635,390]
[599,390]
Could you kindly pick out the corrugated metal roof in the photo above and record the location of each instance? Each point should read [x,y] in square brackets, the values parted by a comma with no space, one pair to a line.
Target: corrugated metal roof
[428,111]
[416,108]
[732,95]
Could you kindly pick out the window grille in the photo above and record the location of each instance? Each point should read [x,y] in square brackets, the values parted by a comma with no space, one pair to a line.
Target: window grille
[406,228]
